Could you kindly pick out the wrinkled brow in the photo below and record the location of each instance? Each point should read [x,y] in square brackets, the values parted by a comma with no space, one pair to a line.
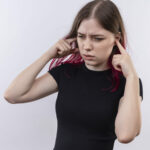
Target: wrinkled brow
[91,34]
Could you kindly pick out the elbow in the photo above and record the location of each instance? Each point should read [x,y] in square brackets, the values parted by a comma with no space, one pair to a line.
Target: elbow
[125,139]
[8,99]
[137,133]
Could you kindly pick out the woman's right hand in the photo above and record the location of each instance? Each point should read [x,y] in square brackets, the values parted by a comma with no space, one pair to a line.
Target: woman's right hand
[63,48]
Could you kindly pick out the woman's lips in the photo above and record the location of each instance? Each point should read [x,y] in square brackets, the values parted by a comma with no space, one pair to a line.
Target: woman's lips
[88,57]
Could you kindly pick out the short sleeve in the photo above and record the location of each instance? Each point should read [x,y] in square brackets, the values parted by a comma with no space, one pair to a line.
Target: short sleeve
[56,72]
[123,82]
[141,88]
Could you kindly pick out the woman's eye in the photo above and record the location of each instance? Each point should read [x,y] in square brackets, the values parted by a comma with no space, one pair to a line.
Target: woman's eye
[80,36]
[97,39]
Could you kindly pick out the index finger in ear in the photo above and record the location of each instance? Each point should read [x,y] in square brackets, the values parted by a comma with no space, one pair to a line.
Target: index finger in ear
[121,48]
[71,40]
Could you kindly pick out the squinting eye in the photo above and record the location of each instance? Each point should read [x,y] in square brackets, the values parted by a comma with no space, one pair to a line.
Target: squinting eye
[80,36]
[98,39]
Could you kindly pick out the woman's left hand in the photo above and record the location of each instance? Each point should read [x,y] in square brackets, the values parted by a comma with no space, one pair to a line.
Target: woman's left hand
[122,62]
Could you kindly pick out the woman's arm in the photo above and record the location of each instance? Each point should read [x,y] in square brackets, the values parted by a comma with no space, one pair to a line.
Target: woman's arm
[23,82]
[128,119]
[20,86]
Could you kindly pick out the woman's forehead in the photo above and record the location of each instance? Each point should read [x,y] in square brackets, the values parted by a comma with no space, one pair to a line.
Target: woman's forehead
[92,31]
[91,27]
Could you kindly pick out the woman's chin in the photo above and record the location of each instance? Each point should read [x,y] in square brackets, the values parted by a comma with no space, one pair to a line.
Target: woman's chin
[90,62]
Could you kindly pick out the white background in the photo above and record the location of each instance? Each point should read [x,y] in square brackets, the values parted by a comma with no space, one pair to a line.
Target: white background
[27,29]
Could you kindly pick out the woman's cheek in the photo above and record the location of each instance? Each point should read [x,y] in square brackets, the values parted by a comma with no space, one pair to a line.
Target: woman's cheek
[108,46]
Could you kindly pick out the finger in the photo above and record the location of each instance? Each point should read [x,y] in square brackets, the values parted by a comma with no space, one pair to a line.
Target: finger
[116,64]
[116,60]
[122,50]
[71,40]
[67,45]
[64,46]
[117,56]
[61,47]
[117,67]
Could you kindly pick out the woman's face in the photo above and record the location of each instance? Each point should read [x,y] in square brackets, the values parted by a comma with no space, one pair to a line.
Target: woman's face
[94,40]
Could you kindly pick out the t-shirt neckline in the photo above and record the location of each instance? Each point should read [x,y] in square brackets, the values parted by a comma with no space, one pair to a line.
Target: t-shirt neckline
[95,71]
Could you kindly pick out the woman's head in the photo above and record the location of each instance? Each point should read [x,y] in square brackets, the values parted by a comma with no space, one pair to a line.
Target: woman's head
[97,17]
[94,40]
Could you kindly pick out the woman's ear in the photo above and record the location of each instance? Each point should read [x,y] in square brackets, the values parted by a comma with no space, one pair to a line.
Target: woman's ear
[117,37]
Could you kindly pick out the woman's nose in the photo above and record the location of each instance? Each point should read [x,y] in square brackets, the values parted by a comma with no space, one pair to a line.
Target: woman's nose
[87,45]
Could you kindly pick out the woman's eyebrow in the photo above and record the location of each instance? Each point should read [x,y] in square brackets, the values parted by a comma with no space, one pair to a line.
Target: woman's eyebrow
[92,34]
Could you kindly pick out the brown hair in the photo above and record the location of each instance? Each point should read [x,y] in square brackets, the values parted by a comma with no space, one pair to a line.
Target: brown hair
[108,16]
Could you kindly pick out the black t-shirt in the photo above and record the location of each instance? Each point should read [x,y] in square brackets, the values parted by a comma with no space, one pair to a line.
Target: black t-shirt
[85,112]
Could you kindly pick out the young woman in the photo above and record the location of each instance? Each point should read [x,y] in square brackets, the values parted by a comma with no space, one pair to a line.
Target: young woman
[99,91]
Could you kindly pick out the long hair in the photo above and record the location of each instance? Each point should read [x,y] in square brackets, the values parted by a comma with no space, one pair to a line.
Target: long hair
[109,17]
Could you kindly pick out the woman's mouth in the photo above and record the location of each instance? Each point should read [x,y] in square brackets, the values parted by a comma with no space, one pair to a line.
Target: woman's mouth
[88,57]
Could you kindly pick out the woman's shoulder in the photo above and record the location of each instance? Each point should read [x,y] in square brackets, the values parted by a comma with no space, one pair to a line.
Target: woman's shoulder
[123,80]
[72,66]
[68,69]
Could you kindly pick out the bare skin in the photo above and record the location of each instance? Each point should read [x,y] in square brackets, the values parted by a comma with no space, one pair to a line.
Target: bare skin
[98,46]
[26,87]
